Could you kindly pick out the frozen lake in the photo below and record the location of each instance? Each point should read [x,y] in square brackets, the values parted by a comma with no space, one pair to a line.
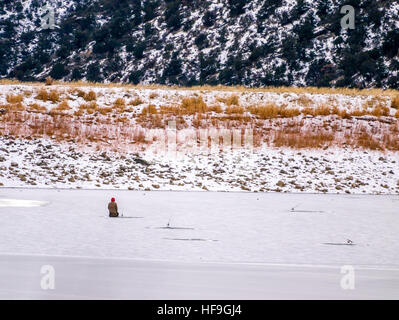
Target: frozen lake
[294,240]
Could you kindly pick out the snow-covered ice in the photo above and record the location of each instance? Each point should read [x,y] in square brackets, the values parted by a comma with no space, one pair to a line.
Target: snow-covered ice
[21,203]
[88,278]
[231,245]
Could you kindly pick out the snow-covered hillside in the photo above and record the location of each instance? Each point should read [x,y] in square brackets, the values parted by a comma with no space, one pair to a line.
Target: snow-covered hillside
[45,164]
[257,42]
[80,136]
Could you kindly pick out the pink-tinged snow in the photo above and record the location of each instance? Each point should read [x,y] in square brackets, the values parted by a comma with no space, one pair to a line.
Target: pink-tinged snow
[241,245]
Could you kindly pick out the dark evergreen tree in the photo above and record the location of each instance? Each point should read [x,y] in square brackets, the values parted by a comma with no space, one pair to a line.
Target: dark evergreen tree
[76,74]
[138,50]
[94,72]
[173,69]
[137,20]
[237,7]
[172,14]
[209,19]
[149,9]
[59,71]
[135,77]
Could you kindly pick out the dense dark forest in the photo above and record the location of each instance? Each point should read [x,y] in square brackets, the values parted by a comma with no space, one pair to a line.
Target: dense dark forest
[196,42]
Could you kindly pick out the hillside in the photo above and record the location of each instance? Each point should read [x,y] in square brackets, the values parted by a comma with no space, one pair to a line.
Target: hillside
[81,135]
[234,42]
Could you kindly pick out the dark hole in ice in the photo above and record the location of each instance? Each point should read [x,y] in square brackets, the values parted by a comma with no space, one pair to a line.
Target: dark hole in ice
[189,239]
[131,217]
[339,244]
[123,217]
[175,228]
[294,210]
[306,211]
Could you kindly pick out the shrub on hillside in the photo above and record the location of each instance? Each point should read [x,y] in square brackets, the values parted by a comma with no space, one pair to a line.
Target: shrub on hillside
[14,98]
[395,102]
[193,105]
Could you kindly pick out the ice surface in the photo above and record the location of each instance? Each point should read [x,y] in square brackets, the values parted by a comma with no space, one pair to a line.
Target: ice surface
[269,250]
[88,278]
[21,203]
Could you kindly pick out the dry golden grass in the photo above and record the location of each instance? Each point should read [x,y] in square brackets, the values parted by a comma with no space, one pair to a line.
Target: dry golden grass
[18,98]
[63,106]
[215,108]
[230,120]
[45,95]
[139,136]
[343,114]
[308,111]
[149,110]
[379,111]
[395,102]
[298,90]
[322,111]
[90,96]
[104,110]
[278,132]
[54,96]
[122,120]
[14,82]
[120,105]
[197,121]
[136,102]
[13,107]
[155,121]
[27,93]
[335,110]
[153,95]
[49,81]
[308,140]
[289,133]
[170,110]
[120,102]
[289,112]
[193,105]
[366,141]
[180,123]
[356,113]
[391,141]
[304,101]
[77,92]
[232,100]
[265,112]
[42,95]
[34,107]
[89,108]
[234,109]
[375,101]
